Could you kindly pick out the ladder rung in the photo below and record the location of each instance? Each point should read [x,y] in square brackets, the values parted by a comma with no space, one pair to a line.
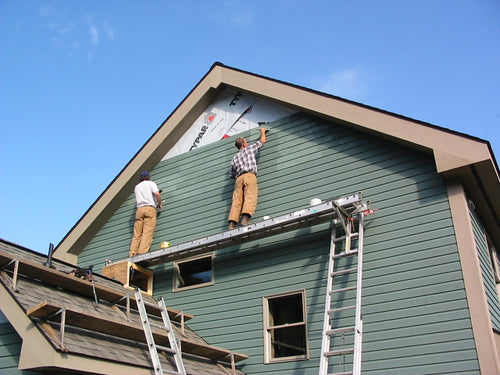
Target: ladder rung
[339,352]
[150,305]
[336,273]
[341,309]
[342,238]
[341,373]
[161,326]
[342,290]
[340,330]
[165,349]
[345,254]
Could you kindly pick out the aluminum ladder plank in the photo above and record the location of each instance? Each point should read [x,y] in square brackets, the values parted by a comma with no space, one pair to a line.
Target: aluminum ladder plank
[298,219]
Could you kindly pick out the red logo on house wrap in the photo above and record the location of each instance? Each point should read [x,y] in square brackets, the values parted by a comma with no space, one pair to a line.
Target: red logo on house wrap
[210,117]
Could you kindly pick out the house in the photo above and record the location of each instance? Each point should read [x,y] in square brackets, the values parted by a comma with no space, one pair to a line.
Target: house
[430,301]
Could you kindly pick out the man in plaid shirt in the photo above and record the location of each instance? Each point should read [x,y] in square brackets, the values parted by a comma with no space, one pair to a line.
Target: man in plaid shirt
[244,170]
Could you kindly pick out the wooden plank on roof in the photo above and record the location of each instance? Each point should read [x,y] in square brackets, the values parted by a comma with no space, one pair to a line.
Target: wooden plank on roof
[89,320]
[129,330]
[69,282]
[213,352]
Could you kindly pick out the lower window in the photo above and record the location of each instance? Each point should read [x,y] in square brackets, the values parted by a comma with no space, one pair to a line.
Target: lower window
[285,327]
[194,272]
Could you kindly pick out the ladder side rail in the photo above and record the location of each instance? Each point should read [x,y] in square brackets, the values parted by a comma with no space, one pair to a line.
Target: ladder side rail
[174,344]
[358,335]
[148,333]
[325,341]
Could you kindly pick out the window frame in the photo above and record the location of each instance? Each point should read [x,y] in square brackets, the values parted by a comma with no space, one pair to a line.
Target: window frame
[494,258]
[177,273]
[495,263]
[268,329]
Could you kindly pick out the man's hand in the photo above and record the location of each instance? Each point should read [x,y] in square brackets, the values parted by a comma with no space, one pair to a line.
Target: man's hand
[263,132]
[158,200]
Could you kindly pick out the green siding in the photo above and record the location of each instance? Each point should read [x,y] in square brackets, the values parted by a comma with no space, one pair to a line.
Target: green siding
[486,269]
[416,318]
[10,349]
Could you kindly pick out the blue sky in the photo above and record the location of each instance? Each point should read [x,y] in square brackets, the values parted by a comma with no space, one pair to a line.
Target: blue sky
[84,84]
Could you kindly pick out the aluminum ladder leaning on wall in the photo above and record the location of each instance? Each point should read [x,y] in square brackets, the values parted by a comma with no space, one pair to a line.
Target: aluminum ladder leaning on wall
[339,340]
[174,349]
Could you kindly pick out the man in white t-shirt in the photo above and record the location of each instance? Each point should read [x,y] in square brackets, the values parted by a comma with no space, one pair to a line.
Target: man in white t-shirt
[148,198]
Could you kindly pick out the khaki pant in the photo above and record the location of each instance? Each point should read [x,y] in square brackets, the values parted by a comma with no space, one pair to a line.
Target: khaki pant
[245,196]
[144,227]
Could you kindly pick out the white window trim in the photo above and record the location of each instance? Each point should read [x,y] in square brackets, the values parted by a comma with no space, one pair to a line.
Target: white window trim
[495,264]
[267,329]
[176,273]
[494,261]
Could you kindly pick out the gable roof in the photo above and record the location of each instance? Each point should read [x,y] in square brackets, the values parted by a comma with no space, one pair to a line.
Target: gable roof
[456,155]
[101,335]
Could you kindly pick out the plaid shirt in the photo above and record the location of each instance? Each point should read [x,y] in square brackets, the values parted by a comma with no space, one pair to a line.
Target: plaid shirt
[244,161]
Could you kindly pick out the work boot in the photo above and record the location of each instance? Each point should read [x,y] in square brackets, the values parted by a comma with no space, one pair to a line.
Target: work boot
[245,219]
[231,225]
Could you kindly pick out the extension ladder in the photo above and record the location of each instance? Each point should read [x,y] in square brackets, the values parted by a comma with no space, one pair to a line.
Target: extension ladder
[339,340]
[174,349]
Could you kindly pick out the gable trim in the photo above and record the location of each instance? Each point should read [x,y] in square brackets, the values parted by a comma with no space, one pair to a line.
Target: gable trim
[484,336]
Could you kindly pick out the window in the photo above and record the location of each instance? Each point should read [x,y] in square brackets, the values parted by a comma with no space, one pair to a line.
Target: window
[285,327]
[193,273]
[495,263]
